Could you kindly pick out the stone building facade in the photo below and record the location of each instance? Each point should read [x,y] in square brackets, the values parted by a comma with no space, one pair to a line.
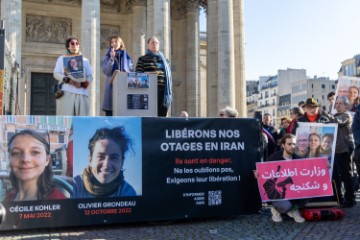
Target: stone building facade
[206,78]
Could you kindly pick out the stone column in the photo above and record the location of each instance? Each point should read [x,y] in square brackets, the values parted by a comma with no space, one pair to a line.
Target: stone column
[90,47]
[139,29]
[192,58]
[239,46]
[212,59]
[226,67]
[11,14]
[158,23]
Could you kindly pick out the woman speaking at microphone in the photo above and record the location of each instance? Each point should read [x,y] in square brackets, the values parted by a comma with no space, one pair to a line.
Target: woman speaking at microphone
[116,59]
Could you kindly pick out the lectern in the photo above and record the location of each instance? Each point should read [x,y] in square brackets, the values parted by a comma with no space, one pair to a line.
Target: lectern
[134,94]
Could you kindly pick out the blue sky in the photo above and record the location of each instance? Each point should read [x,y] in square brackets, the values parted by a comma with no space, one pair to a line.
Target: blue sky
[316,35]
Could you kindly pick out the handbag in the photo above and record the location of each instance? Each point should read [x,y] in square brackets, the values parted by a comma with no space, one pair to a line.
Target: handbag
[58,92]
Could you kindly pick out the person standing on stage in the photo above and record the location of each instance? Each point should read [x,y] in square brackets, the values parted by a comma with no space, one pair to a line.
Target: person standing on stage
[75,101]
[116,59]
[155,62]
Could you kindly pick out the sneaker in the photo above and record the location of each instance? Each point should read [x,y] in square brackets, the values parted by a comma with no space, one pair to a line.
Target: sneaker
[296,216]
[276,216]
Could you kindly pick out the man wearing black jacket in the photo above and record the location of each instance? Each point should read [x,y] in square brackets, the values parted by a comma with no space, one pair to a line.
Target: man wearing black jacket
[271,133]
[312,114]
[290,207]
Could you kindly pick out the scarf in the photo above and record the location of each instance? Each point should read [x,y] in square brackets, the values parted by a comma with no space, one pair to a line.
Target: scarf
[168,78]
[123,62]
[268,134]
[93,186]
[312,118]
[68,53]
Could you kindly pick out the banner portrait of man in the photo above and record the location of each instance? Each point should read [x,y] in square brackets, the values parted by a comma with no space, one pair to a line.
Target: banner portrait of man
[109,164]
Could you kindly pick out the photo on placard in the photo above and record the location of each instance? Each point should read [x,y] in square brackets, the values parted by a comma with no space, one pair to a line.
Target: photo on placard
[138,80]
[73,65]
[108,157]
[316,140]
[47,172]
[348,87]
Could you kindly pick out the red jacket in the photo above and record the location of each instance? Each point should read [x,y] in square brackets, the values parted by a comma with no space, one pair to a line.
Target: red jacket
[54,194]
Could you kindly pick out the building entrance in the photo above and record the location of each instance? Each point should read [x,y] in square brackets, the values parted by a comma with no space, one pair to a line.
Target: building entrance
[42,100]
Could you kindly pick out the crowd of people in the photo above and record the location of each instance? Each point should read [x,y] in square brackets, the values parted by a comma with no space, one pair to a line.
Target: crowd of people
[285,143]
[313,144]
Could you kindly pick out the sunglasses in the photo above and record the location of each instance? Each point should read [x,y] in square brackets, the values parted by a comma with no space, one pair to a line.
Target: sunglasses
[73,43]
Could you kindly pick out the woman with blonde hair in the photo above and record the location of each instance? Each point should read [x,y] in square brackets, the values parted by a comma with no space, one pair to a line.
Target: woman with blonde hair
[314,145]
[116,59]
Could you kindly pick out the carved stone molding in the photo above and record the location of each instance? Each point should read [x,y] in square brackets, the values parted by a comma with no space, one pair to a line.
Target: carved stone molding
[61,2]
[111,5]
[131,3]
[106,31]
[47,29]
[203,4]
[179,8]
[192,5]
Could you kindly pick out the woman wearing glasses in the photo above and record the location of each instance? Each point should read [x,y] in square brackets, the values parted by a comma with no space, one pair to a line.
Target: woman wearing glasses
[31,171]
[75,101]
[295,113]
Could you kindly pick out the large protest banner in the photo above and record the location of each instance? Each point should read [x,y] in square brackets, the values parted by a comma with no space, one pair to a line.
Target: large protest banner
[295,179]
[127,169]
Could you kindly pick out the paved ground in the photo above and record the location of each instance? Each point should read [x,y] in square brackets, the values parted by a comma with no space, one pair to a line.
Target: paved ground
[257,226]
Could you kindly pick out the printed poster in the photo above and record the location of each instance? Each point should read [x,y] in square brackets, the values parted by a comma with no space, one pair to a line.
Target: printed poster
[294,179]
[138,80]
[349,88]
[103,170]
[317,140]
[73,65]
